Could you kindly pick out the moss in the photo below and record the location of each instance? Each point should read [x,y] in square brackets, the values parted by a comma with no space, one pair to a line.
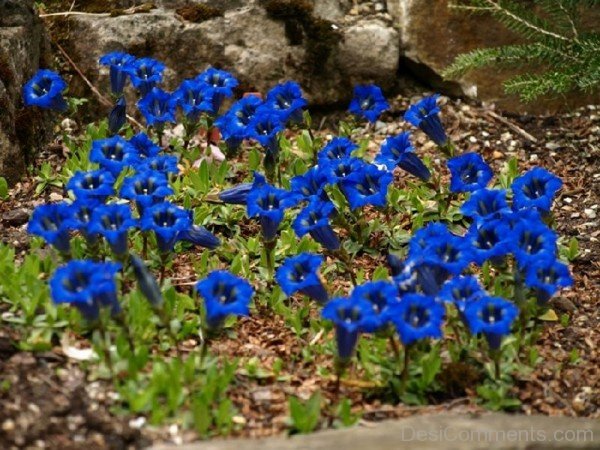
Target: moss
[198,13]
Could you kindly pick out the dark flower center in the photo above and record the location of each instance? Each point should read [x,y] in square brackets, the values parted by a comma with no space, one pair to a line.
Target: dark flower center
[447,253]
[486,239]
[112,222]
[368,186]
[299,273]
[531,243]
[269,202]
[113,152]
[469,174]
[76,282]
[224,293]
[91,182]
[42,87]
[367,103]
[51,223]
[145,187]
[417,316]
[491,314]
[165,219]
[349,315]
[535,189]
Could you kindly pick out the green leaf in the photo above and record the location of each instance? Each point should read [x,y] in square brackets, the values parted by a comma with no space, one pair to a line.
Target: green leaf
[3,188]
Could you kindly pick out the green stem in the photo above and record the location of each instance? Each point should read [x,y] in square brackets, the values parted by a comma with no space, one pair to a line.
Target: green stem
[344,258]
[404,375]
[270,257]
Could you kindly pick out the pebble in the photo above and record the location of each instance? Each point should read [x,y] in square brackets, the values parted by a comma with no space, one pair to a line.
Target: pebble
[472,139]
[533,157]
[590,213]
[8,425]
[552,146]
[55,197]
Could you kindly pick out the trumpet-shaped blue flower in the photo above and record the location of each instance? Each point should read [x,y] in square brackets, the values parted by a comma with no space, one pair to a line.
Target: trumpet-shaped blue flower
[418,275]
[238,195]
[287,101]
[232,130]
[546,275]
[157,108]
[146,282]
[117,116]
[166,164]
[45,90]
[264,128]
[535,189]
[144,146]
[492,316]
[300,274]
[224,295]
[113,154]
[146,188]
[367,186]
[337,148]
[469,172]
[95,185]
[339,169]
[199,235]
[168,222]
[417,317]
[53,222]
[452,253]
[350,317]
[314,220]
[491,241]
[485,204]
[145,74]
[312,183]
[245,108]
[368,102]
[423,236]
[382,295]
[269,203]
[113,222]
[86,285]
[221,82]
[461,290]
[117,63]
[82,217]
[193,98]
[425,115]
[532,240]
[397,151]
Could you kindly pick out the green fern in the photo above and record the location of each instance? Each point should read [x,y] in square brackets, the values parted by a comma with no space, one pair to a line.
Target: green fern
[557,43]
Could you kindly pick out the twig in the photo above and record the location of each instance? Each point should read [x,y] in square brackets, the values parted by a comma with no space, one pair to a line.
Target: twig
[512,126]
[73,13]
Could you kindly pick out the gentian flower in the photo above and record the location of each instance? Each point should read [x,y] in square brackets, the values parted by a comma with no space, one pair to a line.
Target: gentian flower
[269,203]
[161,163]
[535,189]
[513,218]
[157,108]
[45,90]
[52,222]
[367,186]
[300,274]
[245,108]
[82,217]
[194,98]
[368,102]
[397,151]
[339,169]
[117,116]
[492,316]
[221,82]
[232,131]
[113,222]
[113,154]
[425,115]
[531,240]
[168,222]
[117,62]
[490,241]
[423,236]
[350,317]
[452,253]
[546,275]
[238,195]
[417,317]
[469,172]
[485,204]
[145,74]
[145,147]
[146,189]
[314,220]
[460,291]
[224,295]
[146,282]
[382,295]
[337,148]
[264,128]
[418,275]
[86,285]
[287,101]
[312,183]
[198,235]
[95,185]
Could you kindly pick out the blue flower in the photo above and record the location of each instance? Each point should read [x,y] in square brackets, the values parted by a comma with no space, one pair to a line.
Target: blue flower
[418,275]
[368,102]
[492,316]
[245,108]
[485,204]
[490,241]
[469,172]
[339,169]
[224,295]
[117,116]
[350,317]
[157,108]
[314,219]
[382,295]
[535,189]
[367,186]
[264,128]
[300,274]
[221,82]
[145,74]
[146,188]
[161,163]
[337,148]
[238,195]
[461,290]
[417,317]
[45,90]
[52,222]
[82,216]
[397,151]
[198,235]
[145,147]
[269,203]
[194,98]
[312,183]
[117,62]
[425,115]
[530,240]
[168,222]
[423,236]
[113,154]
[287,101]
[546,275]
[452,253]
[232,130]
[113,222]
[146,282]
[93,185]
[86,285]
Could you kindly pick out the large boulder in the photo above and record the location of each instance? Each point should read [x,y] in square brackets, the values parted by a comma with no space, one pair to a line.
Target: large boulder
[23,49]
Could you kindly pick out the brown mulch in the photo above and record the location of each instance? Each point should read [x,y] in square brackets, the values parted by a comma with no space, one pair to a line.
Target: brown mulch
[47,398]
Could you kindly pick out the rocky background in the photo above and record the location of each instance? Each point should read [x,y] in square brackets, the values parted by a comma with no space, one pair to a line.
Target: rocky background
[325,45]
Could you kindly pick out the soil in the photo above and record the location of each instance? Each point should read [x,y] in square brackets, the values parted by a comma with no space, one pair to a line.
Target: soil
[46,400]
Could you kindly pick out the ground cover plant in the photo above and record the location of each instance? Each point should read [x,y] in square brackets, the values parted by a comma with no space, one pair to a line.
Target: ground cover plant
[273,223]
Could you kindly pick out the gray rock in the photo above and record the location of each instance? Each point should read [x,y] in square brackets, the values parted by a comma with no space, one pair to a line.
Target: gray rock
[331,9]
